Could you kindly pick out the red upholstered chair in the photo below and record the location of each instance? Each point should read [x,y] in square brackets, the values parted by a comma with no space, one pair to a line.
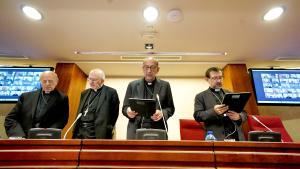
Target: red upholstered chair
[190,129]
[272,122]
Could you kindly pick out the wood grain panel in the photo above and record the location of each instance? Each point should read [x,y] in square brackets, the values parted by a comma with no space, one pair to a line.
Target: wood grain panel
[236,79]
[39,153]
[146,154]
[257,155]
[72,81]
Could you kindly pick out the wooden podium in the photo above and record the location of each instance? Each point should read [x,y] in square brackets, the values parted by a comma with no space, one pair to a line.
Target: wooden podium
[146,154]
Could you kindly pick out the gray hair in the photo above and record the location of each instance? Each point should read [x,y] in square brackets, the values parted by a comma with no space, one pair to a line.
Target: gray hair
[54,75]
[100,73]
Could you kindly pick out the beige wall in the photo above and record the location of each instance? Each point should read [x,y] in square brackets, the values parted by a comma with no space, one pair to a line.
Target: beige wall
[183,90]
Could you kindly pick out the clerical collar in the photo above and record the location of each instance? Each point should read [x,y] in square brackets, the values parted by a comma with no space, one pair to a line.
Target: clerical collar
[215,90]
[150,83]
[96,90]
[43,92]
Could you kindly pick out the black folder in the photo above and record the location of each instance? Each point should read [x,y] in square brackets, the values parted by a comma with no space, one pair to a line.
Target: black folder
[236,101]
[145,107]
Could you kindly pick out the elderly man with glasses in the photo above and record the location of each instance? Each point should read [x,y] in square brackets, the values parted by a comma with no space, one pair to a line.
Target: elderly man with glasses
[99,106]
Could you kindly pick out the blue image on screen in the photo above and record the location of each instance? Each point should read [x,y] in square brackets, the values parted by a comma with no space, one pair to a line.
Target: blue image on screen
[273,86]
[17,80]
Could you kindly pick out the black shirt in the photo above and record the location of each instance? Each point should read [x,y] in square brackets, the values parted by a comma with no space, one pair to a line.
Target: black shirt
[86,122]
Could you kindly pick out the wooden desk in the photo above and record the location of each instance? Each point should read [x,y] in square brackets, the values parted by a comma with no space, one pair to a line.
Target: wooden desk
[39,153]
[257,155]
[146,154]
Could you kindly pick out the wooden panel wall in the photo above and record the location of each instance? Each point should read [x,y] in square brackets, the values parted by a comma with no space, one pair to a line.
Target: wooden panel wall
[236,79]
[72,81]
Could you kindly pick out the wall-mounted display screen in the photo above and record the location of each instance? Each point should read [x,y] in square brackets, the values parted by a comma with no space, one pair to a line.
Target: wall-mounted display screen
[276,86]
[16,80]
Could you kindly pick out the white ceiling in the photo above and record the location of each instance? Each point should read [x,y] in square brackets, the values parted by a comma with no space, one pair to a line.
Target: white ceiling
[232,26]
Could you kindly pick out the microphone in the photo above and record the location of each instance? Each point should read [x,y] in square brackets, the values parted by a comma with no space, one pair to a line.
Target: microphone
[78,116]
[157,96]
[256,119]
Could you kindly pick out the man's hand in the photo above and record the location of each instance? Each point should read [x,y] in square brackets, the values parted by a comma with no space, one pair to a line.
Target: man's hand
[157,115]
[130,113]
[233,115]
[220,108]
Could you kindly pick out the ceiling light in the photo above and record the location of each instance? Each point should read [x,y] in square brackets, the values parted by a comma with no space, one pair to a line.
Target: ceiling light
[150,14]
[32,13]
[143,53]
[273,13]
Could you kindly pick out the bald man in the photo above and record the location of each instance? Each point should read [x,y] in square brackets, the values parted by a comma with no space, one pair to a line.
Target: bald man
[43,108]
[100,108]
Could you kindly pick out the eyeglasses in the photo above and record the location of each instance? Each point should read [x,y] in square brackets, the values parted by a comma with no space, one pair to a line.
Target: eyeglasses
[47,81]
[153,67]
[92,80]
[216,78]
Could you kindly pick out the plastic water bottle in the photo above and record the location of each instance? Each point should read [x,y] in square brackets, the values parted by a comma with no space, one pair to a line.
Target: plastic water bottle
[210,136]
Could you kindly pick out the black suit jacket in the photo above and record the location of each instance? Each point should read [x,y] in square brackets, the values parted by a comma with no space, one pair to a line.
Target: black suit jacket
[20,118]
[136,89]
[204,112]
[107,112]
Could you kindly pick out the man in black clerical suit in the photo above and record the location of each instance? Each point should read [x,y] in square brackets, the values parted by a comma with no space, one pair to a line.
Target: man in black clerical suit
[147,88]
[43,108]
[99,106]
[224,123]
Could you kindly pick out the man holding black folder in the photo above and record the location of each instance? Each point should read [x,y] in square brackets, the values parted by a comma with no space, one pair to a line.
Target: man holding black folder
[148,87]
[208,108]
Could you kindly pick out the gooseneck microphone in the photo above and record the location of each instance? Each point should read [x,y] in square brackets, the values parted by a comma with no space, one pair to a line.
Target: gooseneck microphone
[157,96]
[256,119]
[78,116]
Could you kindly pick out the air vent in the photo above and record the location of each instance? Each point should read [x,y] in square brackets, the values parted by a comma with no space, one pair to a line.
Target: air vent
[296,58]
[12,57]
[8,54]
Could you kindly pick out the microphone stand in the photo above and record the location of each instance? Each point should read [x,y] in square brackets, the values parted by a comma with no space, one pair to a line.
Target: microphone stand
[78,116]
[157,96]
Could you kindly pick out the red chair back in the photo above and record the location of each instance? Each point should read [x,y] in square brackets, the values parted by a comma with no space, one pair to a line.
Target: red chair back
[272,122]
[190,129]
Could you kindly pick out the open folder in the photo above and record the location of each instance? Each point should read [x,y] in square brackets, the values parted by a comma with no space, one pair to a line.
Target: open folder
[236,101]
[145,107]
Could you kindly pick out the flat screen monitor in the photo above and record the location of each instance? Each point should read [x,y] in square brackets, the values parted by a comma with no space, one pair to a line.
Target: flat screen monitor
[276,86]
[17,80]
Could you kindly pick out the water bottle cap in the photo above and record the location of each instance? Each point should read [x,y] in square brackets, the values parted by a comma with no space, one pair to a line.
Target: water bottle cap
[209,132]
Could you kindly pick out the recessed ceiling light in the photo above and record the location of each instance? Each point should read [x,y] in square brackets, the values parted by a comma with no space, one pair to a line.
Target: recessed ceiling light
[150,14]
[273,13]
[32,12]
